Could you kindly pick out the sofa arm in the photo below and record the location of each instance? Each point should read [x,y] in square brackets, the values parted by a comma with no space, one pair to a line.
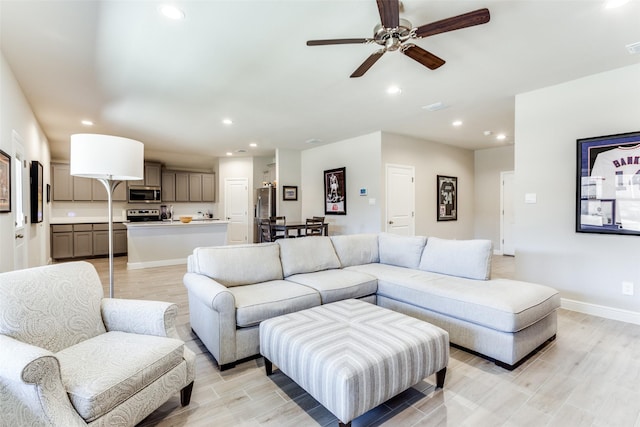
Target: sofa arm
[140,317]
[21,367]
[212,294]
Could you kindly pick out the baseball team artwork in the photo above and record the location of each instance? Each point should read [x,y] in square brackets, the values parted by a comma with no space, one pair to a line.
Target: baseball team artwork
[447,198]
[335,190]
[609,184]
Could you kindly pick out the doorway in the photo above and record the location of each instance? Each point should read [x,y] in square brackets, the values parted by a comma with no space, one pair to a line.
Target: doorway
[507,213]
[400,203]
[20,193]
[236,202]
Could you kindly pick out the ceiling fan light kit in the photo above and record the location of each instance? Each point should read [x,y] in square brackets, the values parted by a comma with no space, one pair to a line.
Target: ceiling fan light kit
[393,33]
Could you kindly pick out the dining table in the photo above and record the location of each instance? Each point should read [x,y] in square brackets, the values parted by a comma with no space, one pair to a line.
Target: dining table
[298,227]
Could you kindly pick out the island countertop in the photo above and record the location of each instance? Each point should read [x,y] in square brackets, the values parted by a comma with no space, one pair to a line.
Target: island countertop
[176,223]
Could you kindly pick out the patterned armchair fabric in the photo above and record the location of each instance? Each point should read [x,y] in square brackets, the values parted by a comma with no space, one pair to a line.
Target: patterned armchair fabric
[69,357]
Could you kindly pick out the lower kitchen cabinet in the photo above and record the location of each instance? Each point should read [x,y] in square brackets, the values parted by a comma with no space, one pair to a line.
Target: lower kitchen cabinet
[86,240]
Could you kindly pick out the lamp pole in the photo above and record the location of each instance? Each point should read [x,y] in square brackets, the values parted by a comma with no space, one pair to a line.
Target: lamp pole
[110,185]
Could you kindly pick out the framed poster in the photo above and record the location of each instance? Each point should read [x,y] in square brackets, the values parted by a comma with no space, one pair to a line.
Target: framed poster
[608,184]
[447,190]
[289,192]
[335,190]
[5,182]
[37,200]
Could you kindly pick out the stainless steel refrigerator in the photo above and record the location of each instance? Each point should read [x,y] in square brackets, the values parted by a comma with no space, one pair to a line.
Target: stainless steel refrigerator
[265,206]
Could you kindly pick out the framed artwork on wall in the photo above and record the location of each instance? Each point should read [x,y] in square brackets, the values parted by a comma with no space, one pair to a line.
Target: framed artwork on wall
[37,199]
[289,192]
[335,192]
[447,190]
[608,184]
[5,182]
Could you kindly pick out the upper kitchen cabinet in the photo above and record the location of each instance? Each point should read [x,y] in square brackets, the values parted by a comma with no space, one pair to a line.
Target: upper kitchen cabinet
[67,188]
[152,176]
[100,193]
[183,186]
[62,182]
[208,187]
[168,186]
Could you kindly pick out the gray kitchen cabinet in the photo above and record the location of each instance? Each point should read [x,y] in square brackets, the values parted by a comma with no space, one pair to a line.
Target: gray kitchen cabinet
[152,176]
[62,182]
[61,241]
[82,240]
[182,186]
[168,186]
[99,193]
[119,240]
[82,189]
[208,187]
[101,239]
[195,187]
[100,243]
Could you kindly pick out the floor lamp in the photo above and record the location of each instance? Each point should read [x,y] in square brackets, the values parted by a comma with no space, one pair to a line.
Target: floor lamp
[110,160]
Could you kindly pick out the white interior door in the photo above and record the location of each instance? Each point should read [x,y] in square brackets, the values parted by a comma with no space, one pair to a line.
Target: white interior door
[20,192]
[236,207]
[400,203]
[507,209]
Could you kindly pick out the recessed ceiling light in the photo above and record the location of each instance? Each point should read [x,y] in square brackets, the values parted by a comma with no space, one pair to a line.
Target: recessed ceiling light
[229,153]
[253,144]
[87,122]
[612,4]
[394,90]
[227,121]
[457,123]
[501,136]
[171,12]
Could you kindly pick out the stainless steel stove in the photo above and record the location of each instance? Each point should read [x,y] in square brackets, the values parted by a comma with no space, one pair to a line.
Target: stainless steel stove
[142,215]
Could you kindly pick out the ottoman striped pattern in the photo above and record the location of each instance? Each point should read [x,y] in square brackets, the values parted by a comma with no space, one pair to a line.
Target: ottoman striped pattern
[351,356]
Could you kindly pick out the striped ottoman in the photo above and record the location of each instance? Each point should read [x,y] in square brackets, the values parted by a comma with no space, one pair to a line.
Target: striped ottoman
[351,356]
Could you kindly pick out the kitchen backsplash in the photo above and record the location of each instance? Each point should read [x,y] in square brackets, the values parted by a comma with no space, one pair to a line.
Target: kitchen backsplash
[99,210]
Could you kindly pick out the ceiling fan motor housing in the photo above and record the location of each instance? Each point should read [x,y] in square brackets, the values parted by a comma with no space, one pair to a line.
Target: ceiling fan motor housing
[392,38]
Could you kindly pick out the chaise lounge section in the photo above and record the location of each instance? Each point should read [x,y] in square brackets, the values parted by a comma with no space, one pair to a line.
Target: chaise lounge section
[444,282]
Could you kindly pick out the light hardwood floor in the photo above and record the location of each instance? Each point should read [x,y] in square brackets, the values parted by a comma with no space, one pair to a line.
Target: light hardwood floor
[589,376]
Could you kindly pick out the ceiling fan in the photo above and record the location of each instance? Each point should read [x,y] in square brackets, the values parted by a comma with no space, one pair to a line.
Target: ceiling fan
[394,33]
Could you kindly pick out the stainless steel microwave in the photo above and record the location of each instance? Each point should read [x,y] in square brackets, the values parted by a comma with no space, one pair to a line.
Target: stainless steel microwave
[140,194]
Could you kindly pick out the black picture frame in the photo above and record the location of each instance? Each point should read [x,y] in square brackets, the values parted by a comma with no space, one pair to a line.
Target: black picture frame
[289,192]
[608,184]
[37,186]
[447,194]
[5,182]
[335,191]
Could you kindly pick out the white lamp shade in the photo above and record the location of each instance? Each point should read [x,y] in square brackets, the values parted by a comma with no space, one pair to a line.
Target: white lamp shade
[104,156]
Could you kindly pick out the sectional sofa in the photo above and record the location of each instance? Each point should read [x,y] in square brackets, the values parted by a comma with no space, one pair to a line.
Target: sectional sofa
[231,289]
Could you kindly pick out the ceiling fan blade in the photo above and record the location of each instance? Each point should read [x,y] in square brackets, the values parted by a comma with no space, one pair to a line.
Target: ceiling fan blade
[477,17]
[368,63]
[336,41]
[424,57]
[389,13]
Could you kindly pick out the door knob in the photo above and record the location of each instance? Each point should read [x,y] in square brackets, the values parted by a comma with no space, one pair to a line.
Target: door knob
[390,222]
[19,236]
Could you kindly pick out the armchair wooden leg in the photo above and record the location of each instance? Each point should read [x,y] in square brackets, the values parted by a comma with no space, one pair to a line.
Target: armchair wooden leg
[185,394]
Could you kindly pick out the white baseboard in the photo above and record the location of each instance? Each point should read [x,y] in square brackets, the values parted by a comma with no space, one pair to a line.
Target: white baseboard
[601,311]
[497,251]
[161,263]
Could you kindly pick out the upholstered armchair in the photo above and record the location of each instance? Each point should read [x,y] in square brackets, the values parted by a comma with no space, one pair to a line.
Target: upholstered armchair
[69,357]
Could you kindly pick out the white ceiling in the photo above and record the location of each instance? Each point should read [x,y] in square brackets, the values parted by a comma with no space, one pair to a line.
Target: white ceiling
[170,84]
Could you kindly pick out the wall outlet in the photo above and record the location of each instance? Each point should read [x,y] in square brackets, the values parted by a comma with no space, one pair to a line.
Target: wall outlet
[627,288]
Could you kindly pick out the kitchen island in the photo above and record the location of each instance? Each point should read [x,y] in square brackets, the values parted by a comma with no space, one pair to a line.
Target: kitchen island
[160,243]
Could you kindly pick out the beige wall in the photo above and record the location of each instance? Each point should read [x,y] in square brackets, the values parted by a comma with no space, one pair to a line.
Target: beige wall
[429,160]
[586,268]
[488,164]
[288,173]
[16,114]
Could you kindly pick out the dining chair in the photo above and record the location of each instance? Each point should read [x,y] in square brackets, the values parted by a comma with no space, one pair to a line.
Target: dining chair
[265,230]
[278,234]
[313,227]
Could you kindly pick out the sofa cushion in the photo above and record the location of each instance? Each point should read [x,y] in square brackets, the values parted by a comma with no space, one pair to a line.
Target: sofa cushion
[255,303]
[402,251]
[356,249]
[462,258]
[336,285]
[104,371]
[238,264]
[306,255]
[501,304]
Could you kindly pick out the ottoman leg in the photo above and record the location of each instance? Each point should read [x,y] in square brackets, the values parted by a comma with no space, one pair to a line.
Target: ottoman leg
[268,366]
[440,377]
[341,424]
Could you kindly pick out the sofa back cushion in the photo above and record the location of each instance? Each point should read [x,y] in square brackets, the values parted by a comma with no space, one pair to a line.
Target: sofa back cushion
[356,249]
[307,254]
[462,258]
[52,307]
[238,265]
[402,251]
